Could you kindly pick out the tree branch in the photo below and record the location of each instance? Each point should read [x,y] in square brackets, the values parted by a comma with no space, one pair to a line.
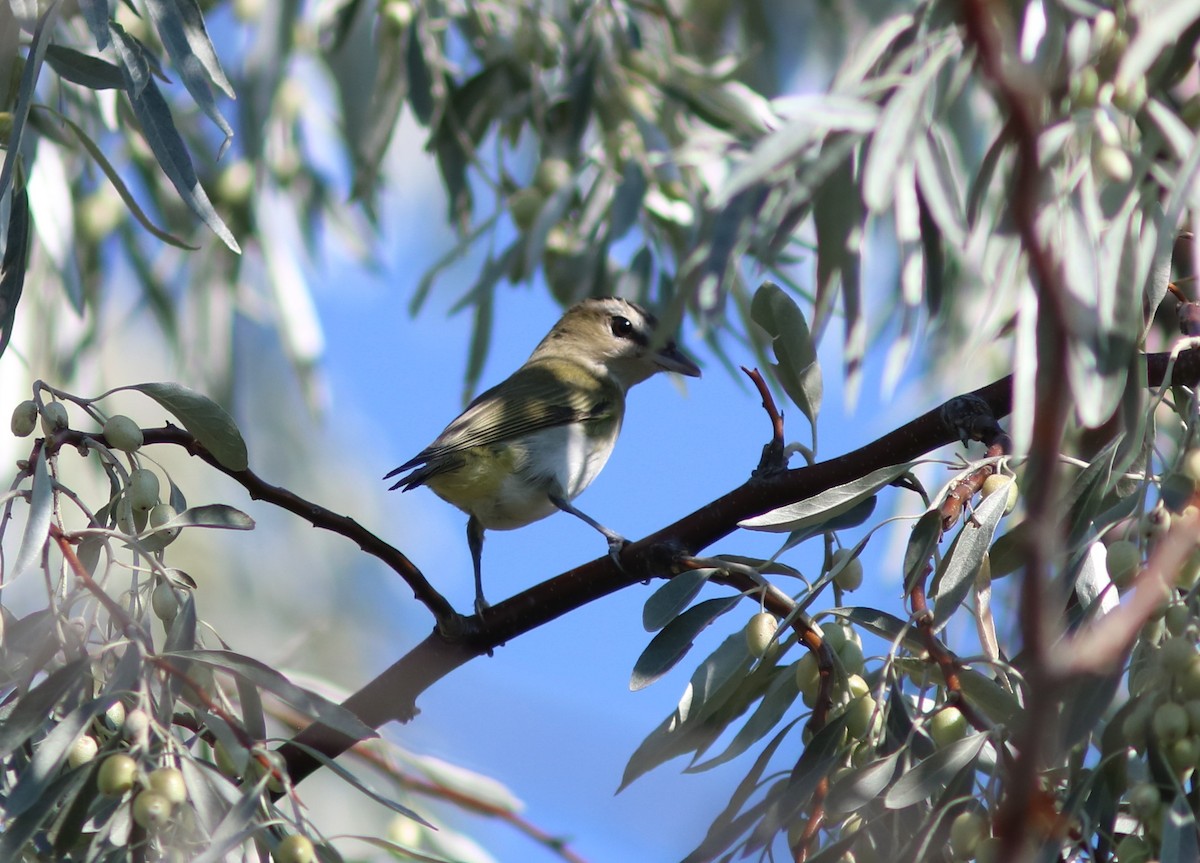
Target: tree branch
[392,695]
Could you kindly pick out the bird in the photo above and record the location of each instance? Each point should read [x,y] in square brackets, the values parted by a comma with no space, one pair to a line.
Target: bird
[528,446]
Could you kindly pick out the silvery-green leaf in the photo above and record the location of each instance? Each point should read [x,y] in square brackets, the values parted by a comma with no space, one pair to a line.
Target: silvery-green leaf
[158,127]
[666,603]
[903,119]
[42,33]
[928,776]
[829,503]
[956,575]
[1159,25]
[84,69]
[780,695]
[15,262]
[207,421]
[673,642]
[1180,843]
[798,371]
[37,523]
[858,787]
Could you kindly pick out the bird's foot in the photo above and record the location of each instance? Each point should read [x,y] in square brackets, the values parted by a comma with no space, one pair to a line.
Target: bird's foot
[616,545]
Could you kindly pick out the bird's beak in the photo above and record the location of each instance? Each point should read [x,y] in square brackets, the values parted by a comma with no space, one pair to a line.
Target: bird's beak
[671,359]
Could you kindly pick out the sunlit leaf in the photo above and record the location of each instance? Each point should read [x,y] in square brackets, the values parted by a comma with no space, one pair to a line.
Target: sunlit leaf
[206,420]
[827,504]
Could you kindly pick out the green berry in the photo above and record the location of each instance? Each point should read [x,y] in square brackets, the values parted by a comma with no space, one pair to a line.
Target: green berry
[1170,722]
[808,678]
[862,718]
[295,849]
[152,811]
[164,602]
[1176,653]
[1134,849]
[54,418]
[116,775]
[1177,491]
[947,726]
[160,515]
[1124,559]
[83,750]
[142,489]
[123,433]
[524,205]
[24,418]
[850,577]
[851,655]
[997,482]
[967,830]
[1144,801]
[168,782]
[552,174]
[760,630]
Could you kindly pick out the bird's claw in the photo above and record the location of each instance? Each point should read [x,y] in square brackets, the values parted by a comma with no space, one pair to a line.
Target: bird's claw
[616,544]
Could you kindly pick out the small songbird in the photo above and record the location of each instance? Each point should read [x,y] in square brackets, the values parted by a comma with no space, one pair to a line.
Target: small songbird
[528,446]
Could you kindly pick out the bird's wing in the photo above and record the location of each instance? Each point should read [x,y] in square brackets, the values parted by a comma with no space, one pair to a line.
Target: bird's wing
[533,398]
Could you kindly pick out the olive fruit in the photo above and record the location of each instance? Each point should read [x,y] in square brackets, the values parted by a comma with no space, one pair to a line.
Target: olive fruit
[295,849]
[116,775]
[123,433]
[152,811]
[24,418]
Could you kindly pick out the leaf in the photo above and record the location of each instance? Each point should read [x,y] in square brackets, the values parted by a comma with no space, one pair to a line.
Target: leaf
[852,517]
[926,777]
[665,604]
[777,313]
[830,503]
[84,69]
[42,34]
[180,26]
[323,710]
[859,787]
[158,128]
[956,575]
[14,263]
[50,755]
[206,420]
[1179,838]
[216,515]
[33,710]
[96,13]
[904,117]
[358,784]
[118,184]
[780,695]
[886,626]
[921,544]
[41,512]
[676,639]
[1159,26]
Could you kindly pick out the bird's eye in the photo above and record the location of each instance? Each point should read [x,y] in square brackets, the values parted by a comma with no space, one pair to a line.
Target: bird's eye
[622,327]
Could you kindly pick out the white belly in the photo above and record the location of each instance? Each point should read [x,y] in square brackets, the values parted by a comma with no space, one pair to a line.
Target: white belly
[559,461]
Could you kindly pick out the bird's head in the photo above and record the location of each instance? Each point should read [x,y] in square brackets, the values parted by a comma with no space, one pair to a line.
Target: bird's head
[618,338]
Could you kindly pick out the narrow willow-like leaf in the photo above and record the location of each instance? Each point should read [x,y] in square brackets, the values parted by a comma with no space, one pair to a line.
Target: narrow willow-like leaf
[309,703]
[665,604]
[206,420]
[775,311]
[158,127]
[42,33]
[886,626]
[1179,837]
[84,69]
[675,640]
[218,515]
[926,777]
[829,503]
[358,784]
[118,184]
[14,263]
[780,695]
[29,713]
[859,787]
[956,575]
[37,524]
